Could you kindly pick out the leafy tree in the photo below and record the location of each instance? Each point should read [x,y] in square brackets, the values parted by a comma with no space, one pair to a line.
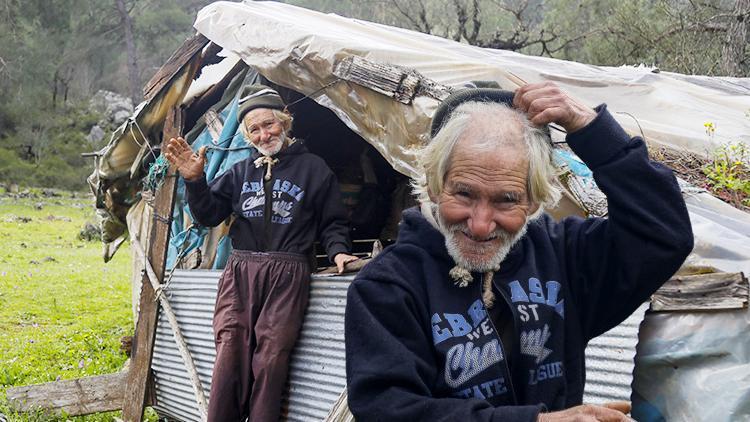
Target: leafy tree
[691,37]
[687,36]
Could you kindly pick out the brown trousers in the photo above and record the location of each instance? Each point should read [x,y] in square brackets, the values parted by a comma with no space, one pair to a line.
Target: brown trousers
[259,310]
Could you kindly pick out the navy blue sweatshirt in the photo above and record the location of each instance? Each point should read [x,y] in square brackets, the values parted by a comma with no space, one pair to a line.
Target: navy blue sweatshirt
[420,348]
[306,203]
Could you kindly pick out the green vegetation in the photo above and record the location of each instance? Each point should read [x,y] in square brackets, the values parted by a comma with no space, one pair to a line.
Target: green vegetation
[62,310]
[729,174]
[688,37]
[54,56]
[49,153]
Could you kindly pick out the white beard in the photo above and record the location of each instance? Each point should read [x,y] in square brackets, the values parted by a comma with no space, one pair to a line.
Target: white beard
[275,148]
[472,264]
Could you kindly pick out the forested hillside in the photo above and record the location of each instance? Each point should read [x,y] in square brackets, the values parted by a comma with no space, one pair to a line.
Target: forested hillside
[55,55]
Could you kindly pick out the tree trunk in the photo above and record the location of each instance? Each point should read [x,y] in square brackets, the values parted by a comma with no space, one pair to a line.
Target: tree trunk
[733,51]
[127,24]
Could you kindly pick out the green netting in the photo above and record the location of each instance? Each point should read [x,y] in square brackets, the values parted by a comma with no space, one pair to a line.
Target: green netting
[157,172]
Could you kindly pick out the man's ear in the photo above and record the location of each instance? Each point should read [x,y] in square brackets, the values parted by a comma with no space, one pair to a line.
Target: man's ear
[432,196]
[288,123]
[533,208]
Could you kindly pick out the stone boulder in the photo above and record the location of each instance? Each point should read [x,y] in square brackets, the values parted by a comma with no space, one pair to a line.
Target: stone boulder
[114,107]
[96,134]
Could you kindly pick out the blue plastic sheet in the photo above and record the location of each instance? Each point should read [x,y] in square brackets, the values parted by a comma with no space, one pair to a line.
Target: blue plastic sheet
[573,162]
[222,154]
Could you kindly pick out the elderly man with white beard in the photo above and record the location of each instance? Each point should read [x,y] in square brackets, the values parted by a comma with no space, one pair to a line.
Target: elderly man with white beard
[282,198]
[482,309]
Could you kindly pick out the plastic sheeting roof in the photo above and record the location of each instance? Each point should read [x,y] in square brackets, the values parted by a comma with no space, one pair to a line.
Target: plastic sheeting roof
[299,48]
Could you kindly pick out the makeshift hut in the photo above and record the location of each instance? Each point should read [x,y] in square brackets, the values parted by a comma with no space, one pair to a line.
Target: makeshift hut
[363,95]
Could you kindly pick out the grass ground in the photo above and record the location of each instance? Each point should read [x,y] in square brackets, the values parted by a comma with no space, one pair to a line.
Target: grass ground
[62,309]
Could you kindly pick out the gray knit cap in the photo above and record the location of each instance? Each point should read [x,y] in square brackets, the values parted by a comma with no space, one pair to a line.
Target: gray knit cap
[446,108]
[481,94]
[258,96]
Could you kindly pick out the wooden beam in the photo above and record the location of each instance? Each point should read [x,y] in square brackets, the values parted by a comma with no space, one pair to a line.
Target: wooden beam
[82,396]
[178,59]
[400,83]
[212,95]
[340,411]
[702,292]
[134,399]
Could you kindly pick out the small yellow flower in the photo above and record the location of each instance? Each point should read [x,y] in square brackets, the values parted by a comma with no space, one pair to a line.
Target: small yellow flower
[710,128]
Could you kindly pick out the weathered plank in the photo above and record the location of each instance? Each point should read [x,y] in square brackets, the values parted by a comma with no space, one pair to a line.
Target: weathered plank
[200,396]
[340,411]
[401,84]
[702,292]
[350,267]
[178,59]
[82,396]
[212,95]
[134,398]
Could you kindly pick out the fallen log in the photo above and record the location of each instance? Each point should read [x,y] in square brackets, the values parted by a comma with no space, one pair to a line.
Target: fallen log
[82,396]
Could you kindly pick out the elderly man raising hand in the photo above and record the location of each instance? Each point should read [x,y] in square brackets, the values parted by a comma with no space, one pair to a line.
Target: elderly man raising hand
[482,309]
[283,197]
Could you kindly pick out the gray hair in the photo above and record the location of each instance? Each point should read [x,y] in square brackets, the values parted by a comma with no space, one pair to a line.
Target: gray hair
[434,160]
[284,118]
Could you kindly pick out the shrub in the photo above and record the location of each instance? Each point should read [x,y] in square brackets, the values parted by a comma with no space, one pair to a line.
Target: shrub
[729,173]
[13,169]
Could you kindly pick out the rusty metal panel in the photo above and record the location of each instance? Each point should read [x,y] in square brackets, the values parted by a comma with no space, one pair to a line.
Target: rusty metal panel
[609,361]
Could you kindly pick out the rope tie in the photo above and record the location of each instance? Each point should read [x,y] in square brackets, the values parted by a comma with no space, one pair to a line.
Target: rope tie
[269,162]
[462,278]
[488,296]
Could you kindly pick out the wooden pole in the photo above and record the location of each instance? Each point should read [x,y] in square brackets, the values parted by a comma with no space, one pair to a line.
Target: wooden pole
[145,330]
[200,396]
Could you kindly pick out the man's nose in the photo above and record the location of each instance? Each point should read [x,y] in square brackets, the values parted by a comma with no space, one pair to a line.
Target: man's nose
[265,134]
[482,222]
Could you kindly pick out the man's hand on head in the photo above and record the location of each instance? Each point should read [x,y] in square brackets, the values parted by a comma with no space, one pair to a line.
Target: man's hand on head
[609,412]
[546,103]
[342,259]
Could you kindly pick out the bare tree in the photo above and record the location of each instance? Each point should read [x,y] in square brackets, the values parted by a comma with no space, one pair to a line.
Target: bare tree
[522,30]
[735,41]
[420,22]
[463,18]
[127,25]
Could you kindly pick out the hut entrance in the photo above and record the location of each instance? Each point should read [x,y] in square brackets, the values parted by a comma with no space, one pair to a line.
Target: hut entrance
[373,193]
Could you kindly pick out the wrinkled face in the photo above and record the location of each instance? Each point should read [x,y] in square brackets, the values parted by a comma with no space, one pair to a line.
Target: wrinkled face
[483,208]
[265,132]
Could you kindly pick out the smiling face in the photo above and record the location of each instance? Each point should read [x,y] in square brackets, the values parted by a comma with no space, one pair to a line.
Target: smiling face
[483,208]
[264,131]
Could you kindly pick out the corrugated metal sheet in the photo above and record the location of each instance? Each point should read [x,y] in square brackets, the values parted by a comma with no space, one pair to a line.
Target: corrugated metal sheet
[609,361]
[317,373]
[192,295]
[317,369]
